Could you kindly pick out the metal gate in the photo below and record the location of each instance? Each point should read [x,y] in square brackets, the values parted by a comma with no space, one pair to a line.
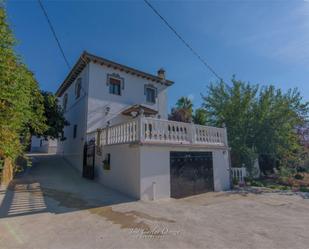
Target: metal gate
[191,173]
[89,159]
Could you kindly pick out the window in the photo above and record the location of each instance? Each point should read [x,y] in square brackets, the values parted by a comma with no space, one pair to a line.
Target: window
[74,131]
[114,86]
[115,83]
[150,93]
[65,102]
[78,87]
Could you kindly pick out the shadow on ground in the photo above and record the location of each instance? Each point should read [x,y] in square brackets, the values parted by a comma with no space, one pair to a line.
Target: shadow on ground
[51,185]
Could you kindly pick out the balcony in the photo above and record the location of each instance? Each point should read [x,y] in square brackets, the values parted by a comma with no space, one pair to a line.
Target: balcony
[145,130]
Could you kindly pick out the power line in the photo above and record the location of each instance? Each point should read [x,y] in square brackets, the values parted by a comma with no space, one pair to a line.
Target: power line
[54,34]
[183,40]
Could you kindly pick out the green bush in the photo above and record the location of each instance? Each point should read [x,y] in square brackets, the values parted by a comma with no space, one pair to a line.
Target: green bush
[274,186]
[298,177]
[235,181]
[284,188]
[301,169]
[286,171]
[257,183]
[303,189]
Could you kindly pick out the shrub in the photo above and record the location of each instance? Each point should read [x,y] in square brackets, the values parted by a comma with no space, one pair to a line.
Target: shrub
[303,189]
[257,183]
[299,177]
[284,188]
[274,186]
[235,181]
[301,169]
[286,171]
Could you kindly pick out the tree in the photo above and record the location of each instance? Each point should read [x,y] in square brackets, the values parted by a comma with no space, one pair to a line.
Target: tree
[183,110]
[232,106]
[21,103]
[200,116]
[276,118]
[260,121]
[53,113]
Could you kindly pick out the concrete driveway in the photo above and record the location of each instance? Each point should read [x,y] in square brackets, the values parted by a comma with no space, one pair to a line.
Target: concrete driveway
[51,206]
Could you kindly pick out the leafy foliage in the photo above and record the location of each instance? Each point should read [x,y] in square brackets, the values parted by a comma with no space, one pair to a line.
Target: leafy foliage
[200,116]
[53,113]
[183,110]
[260,121]
[21,103]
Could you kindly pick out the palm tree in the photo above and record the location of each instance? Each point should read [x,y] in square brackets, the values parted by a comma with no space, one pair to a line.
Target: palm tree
[183,110]
[184,103]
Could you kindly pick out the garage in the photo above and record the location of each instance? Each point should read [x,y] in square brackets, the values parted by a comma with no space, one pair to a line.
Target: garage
[191,173]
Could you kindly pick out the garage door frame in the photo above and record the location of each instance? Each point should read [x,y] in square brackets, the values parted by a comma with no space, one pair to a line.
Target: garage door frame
[191,173]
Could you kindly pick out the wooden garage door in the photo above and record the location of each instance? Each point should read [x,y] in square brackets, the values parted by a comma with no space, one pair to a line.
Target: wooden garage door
[191,173]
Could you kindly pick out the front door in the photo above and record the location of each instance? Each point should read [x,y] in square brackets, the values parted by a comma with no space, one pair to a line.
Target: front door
[191,173]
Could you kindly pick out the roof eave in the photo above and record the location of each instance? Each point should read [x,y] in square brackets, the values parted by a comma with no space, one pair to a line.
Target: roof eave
[86,57]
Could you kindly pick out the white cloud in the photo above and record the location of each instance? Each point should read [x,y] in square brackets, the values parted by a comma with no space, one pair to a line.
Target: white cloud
[283,36]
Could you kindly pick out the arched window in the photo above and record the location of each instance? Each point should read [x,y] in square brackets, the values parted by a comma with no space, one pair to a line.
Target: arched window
[78,87]
[65,102]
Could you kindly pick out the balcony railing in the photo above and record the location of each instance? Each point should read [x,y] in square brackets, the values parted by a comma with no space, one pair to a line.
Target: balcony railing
[160,131]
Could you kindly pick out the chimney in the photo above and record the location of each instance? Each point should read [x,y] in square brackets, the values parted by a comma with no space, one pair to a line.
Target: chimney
[161,74]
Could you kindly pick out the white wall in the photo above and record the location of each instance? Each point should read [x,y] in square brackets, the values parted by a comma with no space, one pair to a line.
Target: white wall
[221,170]
[39,145]
[135,168]
[44,146]
[155,168]
[133,93]
[124,171]
[72,148]
[88,111]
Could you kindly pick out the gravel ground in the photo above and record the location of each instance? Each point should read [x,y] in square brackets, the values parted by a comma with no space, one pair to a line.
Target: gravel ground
[51,206]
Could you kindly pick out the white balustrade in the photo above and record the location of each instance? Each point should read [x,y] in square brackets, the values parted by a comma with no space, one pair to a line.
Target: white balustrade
[160,131]
[209,135]
[239,174]
[121,133]
[165,131]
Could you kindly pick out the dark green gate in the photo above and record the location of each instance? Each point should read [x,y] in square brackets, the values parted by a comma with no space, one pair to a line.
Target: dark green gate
[89,159]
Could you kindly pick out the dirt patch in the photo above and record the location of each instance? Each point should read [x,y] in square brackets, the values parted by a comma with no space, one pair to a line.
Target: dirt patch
[213,198]
[129,219]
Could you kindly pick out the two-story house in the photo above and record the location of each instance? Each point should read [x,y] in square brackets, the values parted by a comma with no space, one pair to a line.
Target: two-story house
[123,112]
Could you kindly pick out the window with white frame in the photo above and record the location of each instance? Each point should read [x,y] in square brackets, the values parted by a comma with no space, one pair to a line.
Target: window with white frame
[151,94]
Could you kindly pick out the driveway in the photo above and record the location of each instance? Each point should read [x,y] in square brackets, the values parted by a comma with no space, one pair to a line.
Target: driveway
[51,206]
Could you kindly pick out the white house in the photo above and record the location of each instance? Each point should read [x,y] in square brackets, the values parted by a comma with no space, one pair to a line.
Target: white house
[123,113]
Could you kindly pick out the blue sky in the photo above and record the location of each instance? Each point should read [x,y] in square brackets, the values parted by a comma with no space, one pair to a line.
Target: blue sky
[265,42]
